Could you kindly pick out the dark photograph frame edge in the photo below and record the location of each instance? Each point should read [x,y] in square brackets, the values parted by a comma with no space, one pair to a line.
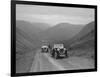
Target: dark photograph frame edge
[13,37]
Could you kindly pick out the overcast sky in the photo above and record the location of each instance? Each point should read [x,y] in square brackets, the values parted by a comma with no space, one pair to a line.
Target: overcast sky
[54,15]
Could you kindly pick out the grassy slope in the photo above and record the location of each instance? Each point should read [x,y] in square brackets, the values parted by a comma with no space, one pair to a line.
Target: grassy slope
[84,46]
[26,43]
[60,32]
[24,51]
[31,28]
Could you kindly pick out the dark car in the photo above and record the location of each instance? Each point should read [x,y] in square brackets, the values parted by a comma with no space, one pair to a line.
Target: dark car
[58,51]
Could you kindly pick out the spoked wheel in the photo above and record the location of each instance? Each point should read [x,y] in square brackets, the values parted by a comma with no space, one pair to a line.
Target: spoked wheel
[66,53]
[55,55]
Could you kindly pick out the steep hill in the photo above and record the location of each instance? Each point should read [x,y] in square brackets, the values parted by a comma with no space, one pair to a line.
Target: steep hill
[25,50]
[24,42]
[31,28]
[88,28]
[62,31]
[83,44]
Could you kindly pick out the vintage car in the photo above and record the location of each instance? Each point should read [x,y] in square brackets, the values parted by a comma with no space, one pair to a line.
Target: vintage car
[58,51]
[44,48]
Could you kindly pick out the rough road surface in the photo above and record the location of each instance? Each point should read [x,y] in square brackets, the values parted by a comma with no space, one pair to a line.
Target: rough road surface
[44,62]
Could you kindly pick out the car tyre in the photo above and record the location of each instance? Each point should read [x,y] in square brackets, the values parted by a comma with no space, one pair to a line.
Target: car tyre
[55,55]
[66,54]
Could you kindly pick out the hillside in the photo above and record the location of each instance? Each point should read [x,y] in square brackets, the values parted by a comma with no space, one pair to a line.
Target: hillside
[86,30]
[62,31]
[31,28]
[23,41]
[83,44]
[25,44]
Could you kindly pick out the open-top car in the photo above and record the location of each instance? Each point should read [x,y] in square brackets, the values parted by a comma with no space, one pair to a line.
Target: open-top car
[58,50]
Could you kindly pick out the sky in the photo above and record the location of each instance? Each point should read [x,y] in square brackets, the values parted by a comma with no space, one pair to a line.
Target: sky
[54,15]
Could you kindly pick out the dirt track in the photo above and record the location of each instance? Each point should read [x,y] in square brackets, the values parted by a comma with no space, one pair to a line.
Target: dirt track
[44,62]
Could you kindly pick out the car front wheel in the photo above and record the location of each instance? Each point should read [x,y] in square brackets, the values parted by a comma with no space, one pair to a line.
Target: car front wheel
[55,55]
[66,54]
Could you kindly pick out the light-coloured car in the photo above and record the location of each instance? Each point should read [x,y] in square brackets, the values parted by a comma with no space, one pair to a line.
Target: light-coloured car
[45,48]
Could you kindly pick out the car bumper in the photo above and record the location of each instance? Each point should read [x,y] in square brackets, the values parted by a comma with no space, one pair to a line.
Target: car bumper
[62,55]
